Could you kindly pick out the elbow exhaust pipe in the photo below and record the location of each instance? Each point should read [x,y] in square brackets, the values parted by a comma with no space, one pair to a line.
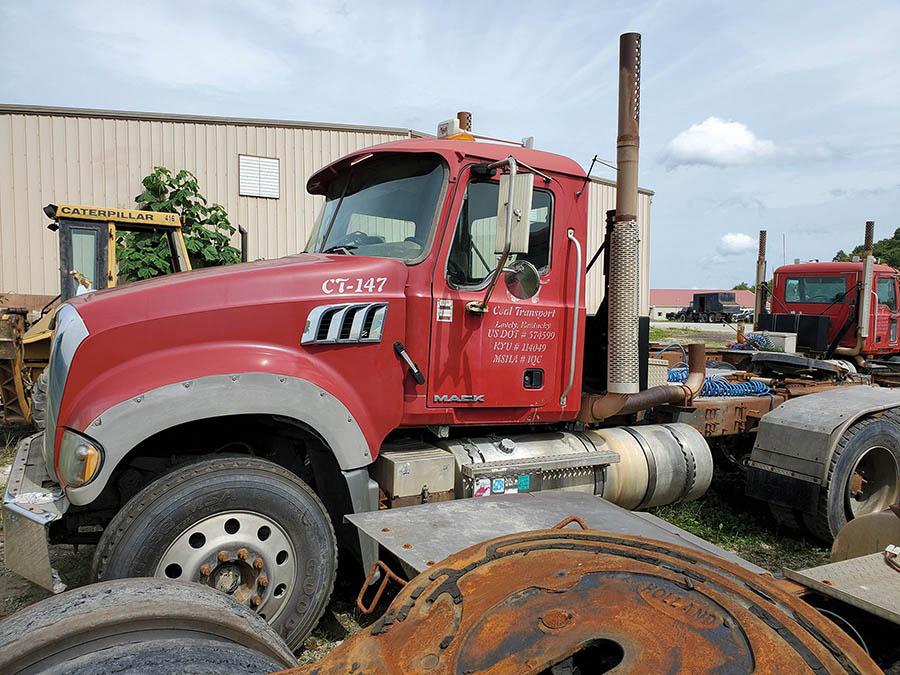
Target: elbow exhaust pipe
[244,250]
[623,367]
[605,406]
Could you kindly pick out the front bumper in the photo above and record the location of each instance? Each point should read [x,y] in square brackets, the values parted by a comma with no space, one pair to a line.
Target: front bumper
[32,501]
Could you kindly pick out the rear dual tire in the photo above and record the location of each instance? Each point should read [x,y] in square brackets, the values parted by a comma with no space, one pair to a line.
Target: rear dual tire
[244,526]
[863,476]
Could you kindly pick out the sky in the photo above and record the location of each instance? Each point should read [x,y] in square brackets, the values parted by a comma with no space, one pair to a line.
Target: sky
[764,115]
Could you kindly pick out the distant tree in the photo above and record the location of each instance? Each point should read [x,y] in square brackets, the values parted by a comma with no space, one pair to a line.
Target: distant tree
[888,250]
[744,286]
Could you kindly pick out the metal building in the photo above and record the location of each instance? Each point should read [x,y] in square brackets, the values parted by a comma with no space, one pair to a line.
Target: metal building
[257,169]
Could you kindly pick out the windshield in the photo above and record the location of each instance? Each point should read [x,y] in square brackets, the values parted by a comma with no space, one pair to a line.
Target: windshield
[816,290]
[384,206]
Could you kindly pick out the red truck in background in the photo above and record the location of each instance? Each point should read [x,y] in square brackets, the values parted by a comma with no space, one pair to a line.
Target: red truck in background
[432,343]
[841,310]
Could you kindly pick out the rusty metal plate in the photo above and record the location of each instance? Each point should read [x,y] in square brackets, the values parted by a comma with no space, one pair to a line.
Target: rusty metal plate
[866,582]
[563,601]
[420,535]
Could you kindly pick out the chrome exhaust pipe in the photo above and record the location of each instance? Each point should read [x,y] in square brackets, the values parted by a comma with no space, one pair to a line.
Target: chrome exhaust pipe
[623,367]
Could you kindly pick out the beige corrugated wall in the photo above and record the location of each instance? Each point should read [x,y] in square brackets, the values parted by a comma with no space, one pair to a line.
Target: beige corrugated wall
[602,198]
[100,160]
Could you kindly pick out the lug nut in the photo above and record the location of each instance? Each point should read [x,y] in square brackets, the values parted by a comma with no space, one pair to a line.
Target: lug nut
[205,570]
[255,600]
[258,563]
[243,554]
[263,580]
[223,556]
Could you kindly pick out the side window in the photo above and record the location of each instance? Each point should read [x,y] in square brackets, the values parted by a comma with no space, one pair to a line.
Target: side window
[886,293]
[472,256]
[792,290]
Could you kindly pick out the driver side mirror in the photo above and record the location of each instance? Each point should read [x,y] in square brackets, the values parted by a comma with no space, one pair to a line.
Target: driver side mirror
[522,188]
[522,279]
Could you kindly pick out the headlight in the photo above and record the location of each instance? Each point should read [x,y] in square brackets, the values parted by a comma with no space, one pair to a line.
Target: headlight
[80,459]
[69,332]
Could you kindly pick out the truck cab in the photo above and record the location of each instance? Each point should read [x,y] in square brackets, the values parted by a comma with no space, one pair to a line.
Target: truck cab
[838,308]
[433,206]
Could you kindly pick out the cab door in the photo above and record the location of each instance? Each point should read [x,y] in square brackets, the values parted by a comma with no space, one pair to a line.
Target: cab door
[887,316]
[512,355]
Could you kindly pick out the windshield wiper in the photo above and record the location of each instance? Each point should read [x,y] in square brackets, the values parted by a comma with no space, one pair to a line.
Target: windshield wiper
[346,249]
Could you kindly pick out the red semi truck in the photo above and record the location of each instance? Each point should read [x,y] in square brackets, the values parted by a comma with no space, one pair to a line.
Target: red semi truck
[431,343]
[840,310]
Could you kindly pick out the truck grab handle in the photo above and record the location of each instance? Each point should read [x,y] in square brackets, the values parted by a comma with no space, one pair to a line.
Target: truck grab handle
[413,368]
[579,272]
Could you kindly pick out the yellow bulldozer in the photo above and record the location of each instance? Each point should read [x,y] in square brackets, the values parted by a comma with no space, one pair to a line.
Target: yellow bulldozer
[90,239]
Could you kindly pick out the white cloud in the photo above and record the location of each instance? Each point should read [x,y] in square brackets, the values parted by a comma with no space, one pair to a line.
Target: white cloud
[735,243]
[718,142]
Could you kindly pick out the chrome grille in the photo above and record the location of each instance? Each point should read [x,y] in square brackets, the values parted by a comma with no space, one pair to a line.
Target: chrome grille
[345,324]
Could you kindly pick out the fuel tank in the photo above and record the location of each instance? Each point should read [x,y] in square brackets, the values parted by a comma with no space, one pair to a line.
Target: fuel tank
[634,467]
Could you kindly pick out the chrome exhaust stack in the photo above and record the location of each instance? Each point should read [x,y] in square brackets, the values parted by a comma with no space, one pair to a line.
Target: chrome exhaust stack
[623,395]
[623,367]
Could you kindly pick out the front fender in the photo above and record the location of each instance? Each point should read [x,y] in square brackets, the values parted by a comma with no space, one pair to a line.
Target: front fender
[178,387]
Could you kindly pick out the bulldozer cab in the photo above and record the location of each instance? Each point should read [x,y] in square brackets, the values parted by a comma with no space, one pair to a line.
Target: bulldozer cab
[91,237]
[90,240]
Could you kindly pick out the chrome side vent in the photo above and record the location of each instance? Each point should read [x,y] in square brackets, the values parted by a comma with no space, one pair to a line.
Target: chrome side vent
[345,324]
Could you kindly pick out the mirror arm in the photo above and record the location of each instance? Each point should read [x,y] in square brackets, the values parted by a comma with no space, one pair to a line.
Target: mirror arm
[535,172]
[481,307]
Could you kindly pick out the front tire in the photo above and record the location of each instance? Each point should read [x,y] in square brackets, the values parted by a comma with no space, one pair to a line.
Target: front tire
[244,526]
[863,476]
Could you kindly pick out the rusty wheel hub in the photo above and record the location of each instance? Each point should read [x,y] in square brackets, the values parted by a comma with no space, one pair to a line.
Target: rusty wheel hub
[586,601]
[246,555]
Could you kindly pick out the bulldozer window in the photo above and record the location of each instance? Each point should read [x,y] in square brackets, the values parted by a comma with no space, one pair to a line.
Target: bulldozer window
[142,255]
[84,253]
[472,257]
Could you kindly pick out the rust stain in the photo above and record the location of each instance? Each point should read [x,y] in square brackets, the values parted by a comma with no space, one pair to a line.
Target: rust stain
[592,600]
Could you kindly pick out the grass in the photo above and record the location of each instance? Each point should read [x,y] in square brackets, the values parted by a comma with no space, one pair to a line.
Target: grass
[9,438]
[686,335]
[725,517]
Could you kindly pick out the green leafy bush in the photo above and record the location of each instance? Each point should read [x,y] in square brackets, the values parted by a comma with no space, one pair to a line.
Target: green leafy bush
[206,229]
[887,250]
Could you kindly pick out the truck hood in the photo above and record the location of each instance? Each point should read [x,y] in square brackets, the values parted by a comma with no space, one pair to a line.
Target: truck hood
[292,279]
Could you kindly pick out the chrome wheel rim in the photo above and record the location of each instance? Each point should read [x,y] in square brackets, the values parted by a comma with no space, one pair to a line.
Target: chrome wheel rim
[243,554]
[874,482]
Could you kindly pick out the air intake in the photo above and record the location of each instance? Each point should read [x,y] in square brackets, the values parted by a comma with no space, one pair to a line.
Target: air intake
[345,324]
